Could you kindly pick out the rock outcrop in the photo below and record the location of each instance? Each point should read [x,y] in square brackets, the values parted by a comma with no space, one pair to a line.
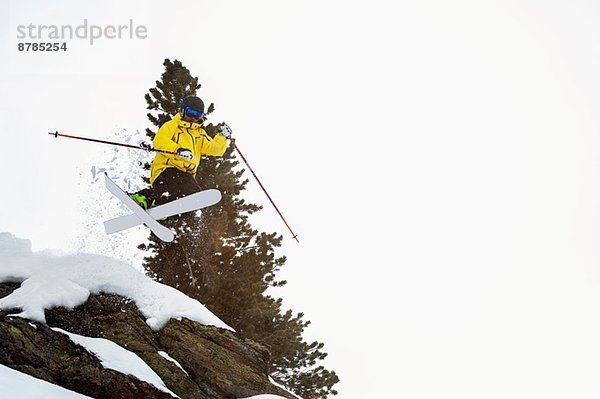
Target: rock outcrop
[213,363]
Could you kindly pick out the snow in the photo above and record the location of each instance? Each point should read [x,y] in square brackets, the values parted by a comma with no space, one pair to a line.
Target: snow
[19,385]
[66,280]
[169,358]
[115,357]
[272,381]
[123,165]
[266,397]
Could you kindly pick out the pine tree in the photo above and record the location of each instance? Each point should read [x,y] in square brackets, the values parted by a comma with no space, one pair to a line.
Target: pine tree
[227,265]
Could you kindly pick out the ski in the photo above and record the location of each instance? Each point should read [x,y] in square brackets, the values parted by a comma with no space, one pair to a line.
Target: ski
[158,229]
[189,203]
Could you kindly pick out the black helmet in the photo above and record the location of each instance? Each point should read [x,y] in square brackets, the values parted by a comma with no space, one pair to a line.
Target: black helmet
[192,106]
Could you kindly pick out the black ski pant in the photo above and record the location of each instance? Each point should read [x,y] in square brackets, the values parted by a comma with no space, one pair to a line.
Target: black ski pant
[170,185]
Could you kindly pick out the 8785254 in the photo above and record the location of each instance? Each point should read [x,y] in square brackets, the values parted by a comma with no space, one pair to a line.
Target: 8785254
[24,46]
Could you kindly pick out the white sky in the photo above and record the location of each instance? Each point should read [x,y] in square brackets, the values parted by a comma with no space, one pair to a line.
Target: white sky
[439,161]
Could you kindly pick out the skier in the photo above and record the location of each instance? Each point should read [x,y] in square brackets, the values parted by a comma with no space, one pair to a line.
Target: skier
[173,176]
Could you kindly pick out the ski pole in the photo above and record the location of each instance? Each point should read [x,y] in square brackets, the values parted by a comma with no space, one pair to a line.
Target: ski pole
[294,236]
[140,147]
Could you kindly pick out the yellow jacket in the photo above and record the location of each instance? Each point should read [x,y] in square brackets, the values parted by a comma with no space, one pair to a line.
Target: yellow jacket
[176,134]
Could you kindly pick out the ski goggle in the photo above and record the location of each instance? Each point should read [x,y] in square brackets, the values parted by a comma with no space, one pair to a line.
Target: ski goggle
[194,113]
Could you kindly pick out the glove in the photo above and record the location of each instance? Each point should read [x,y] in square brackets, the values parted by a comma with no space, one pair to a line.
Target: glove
[225,130]
[185,154]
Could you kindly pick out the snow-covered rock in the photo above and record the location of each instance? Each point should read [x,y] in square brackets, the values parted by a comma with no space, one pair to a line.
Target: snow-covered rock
[115,357]
[52,280]
[121,333]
